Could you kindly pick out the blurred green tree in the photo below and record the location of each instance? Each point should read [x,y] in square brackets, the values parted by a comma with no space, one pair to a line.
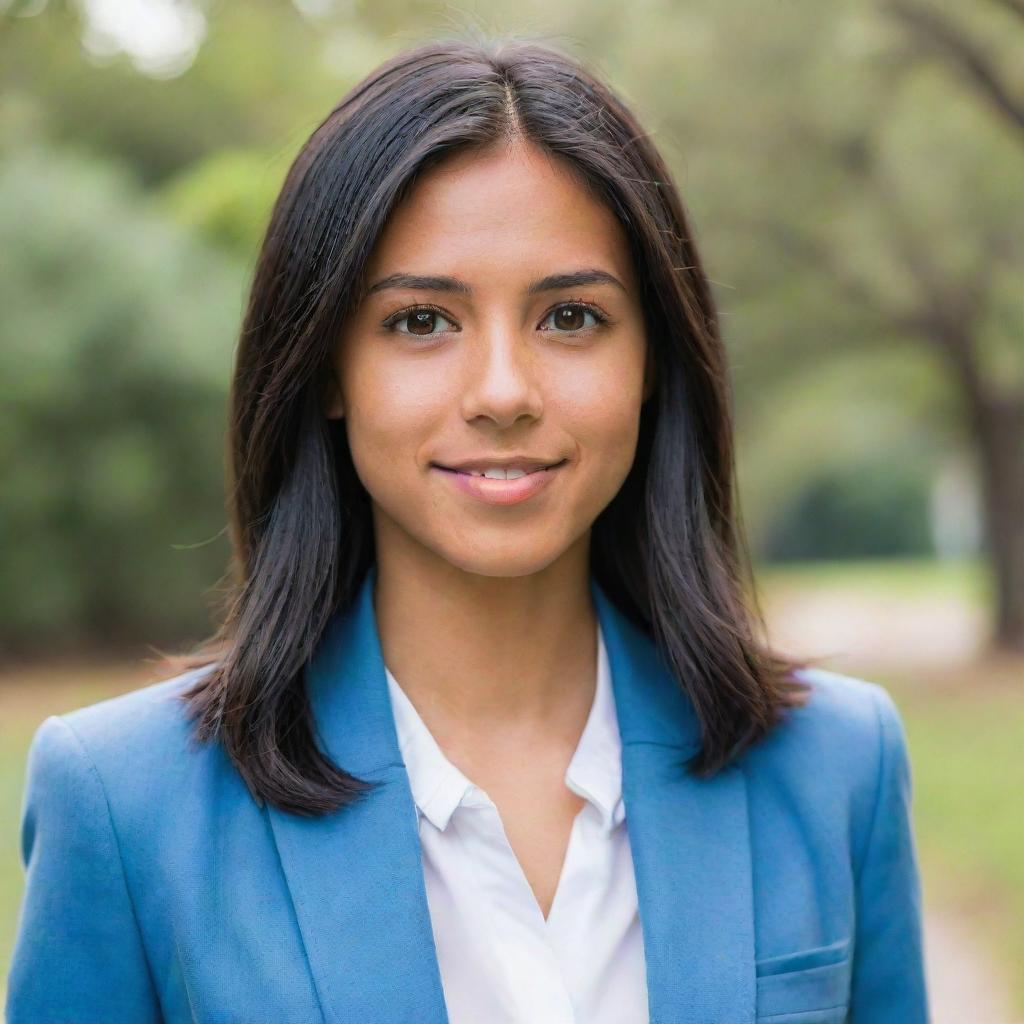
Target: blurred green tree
[225,198]
[264,76]
[115,352]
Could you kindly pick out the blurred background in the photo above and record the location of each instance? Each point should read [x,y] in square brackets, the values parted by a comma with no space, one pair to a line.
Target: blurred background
[854,172]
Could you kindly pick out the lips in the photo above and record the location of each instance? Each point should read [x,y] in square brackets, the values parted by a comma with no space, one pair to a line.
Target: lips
[497,491]
[478,467]
[480,472]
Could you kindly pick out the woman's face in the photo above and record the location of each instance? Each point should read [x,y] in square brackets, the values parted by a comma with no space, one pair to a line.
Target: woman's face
[493,362]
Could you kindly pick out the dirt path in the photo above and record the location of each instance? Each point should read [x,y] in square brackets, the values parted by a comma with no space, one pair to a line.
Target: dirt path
[848,627]
[962,985]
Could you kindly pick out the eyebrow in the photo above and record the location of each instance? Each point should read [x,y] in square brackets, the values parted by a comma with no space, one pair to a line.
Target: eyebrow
[438,283]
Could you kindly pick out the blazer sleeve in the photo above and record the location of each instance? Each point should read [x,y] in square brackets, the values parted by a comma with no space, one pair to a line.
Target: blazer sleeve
[78,953]
[888,984]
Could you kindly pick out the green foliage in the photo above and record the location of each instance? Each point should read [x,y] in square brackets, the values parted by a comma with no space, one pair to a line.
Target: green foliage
[115,352]
[263,78]
[226,198]
[877,509]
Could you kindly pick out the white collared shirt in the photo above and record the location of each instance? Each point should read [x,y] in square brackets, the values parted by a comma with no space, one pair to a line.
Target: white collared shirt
[501,962]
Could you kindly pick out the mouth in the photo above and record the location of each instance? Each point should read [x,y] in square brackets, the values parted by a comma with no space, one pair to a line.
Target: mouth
[501,490]
[481,473]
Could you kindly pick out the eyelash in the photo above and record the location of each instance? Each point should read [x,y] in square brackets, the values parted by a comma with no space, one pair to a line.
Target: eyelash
[602,318]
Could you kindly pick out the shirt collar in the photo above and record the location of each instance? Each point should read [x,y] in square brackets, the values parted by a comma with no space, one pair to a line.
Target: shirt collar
[594,772]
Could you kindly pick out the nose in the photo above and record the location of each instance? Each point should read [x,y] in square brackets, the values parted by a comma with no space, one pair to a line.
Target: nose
[501,376]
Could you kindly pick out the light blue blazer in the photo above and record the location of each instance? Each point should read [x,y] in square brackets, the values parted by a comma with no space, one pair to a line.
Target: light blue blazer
[785,889]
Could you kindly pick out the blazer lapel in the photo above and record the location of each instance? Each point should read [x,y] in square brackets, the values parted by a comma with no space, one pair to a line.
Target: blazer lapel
[689,840]
[356,876]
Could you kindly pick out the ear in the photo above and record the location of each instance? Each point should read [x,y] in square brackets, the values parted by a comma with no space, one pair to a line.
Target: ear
[331,398]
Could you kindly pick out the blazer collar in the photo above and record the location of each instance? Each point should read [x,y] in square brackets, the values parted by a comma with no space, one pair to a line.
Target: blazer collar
[356,876]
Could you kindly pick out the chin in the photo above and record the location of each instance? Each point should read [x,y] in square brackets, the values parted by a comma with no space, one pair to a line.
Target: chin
[507,560]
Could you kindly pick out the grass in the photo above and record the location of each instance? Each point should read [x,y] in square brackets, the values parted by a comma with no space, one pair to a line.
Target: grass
[968,776]
[908,578]
[12,754]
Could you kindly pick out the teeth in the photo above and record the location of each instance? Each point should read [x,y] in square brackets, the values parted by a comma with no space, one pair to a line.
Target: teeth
[498,473]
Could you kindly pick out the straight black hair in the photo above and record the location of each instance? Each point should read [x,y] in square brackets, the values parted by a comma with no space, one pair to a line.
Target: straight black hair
[668,549]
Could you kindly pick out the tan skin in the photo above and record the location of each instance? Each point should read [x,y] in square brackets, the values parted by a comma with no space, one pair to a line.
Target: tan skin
[484,611]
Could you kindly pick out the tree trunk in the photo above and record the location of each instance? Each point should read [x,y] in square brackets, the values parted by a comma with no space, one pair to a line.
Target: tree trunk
[995,421]
[999,428]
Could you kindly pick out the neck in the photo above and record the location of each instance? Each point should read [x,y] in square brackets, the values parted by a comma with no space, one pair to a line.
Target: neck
[487,656]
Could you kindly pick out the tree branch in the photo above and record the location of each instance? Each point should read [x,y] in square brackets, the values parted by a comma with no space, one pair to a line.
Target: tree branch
[1013,6]
[811,252]
[949,42]
[947,310]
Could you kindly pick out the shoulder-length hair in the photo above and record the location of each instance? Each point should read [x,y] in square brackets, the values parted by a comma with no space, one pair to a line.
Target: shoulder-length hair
[668,549]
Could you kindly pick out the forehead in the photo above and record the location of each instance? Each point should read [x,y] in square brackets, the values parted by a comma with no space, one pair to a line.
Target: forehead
[501,208]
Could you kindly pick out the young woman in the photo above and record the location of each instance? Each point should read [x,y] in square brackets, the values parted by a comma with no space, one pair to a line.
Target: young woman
[488,733]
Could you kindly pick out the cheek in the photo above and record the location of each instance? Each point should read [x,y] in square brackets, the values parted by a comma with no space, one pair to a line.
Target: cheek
[388,415]
[385,435]
[602,411]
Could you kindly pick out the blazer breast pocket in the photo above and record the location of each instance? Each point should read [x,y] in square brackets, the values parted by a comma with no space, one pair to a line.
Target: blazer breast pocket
[810,986]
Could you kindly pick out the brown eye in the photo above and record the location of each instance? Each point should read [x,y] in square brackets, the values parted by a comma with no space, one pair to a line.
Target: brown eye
[571,318]
[422,322]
